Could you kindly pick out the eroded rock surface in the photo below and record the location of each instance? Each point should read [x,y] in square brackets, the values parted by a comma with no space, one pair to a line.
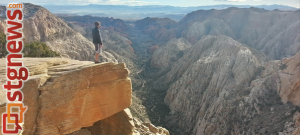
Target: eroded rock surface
[41,25]
[289,80]
[276,33]
[122,123]
[65,95]
[165,56]
[220,86]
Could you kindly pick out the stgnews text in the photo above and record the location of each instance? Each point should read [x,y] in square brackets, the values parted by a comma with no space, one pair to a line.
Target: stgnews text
[16,72]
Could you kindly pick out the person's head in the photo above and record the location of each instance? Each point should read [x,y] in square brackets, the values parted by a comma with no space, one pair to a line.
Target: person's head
[97,24]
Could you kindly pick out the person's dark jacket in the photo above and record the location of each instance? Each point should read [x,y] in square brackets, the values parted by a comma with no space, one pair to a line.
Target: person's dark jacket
[97,36]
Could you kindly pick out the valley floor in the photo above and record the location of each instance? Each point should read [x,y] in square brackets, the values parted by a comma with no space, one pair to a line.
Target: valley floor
[148,100]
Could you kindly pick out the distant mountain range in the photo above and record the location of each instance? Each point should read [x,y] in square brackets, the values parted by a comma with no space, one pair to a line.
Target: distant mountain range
[139,12]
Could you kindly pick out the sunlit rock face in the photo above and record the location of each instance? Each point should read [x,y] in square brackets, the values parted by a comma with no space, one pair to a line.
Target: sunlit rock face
[65,95]
[220,86]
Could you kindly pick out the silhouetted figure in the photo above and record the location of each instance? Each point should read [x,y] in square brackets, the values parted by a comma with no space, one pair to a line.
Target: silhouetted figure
[97,41]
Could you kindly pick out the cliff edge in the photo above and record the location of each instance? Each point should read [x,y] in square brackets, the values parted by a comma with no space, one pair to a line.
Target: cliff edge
[65,95]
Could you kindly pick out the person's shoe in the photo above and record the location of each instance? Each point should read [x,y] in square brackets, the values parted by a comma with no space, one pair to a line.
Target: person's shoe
[97,62]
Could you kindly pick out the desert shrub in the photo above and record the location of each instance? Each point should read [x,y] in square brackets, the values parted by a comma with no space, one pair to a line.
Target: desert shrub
[38,49]
[3,51]
[33,49]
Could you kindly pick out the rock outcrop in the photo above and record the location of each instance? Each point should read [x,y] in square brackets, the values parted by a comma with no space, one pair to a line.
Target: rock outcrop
[276,33]
[114,39]
[65,95]
[146,128]
[289,80]
[41,25]
[220,86]
[123,123]
[207,72]
[165,56]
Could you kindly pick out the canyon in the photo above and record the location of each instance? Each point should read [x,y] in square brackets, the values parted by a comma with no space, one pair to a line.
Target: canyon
[231,71]
[95,101]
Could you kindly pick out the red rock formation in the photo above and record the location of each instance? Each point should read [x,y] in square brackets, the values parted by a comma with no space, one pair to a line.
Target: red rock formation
[65,95]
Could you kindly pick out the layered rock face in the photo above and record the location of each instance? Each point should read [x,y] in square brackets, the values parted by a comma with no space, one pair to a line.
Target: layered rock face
[165,56]
[289,78]
[220,86]
[207,73]
[41,25]
[65,95]
[123,123]
[276,33]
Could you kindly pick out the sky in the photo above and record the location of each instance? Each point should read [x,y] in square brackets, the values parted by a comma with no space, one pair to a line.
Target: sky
[181,3]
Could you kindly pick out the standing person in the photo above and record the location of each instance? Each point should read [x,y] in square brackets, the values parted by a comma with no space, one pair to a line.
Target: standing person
[97,41]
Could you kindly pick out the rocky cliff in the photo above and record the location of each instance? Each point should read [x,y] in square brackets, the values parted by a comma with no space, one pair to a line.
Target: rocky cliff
[220,86]
[113,33]
[289,80]
[276,33]
[64,95]
[164,57]
[41,25]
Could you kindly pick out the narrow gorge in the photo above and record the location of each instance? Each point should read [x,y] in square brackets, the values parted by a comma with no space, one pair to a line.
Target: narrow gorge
[234,71]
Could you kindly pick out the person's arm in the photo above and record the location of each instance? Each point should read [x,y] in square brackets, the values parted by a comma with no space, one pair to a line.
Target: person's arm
[100,39]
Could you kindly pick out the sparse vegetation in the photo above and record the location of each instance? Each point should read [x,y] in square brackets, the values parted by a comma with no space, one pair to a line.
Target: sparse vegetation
[38,49]
[3,51]
[33,49]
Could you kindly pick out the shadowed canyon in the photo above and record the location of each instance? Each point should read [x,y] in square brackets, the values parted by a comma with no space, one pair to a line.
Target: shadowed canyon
[233,71]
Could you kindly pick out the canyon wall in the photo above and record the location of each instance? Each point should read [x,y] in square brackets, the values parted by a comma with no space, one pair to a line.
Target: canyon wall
[220,86]
[41,25]
[276,33]
[67,96]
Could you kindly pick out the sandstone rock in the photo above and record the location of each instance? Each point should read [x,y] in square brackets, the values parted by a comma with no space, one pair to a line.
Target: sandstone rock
[289,80]
[65,95]
[146,128]
[297,123]
[118,124]
[41,25]
[222,87]
[114,42]
[123,123]
[208,72]
[209,27]
[82,132]
[276,33]
[165,56]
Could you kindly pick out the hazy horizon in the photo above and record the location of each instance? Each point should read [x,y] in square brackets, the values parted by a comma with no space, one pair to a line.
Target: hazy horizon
[176,3]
